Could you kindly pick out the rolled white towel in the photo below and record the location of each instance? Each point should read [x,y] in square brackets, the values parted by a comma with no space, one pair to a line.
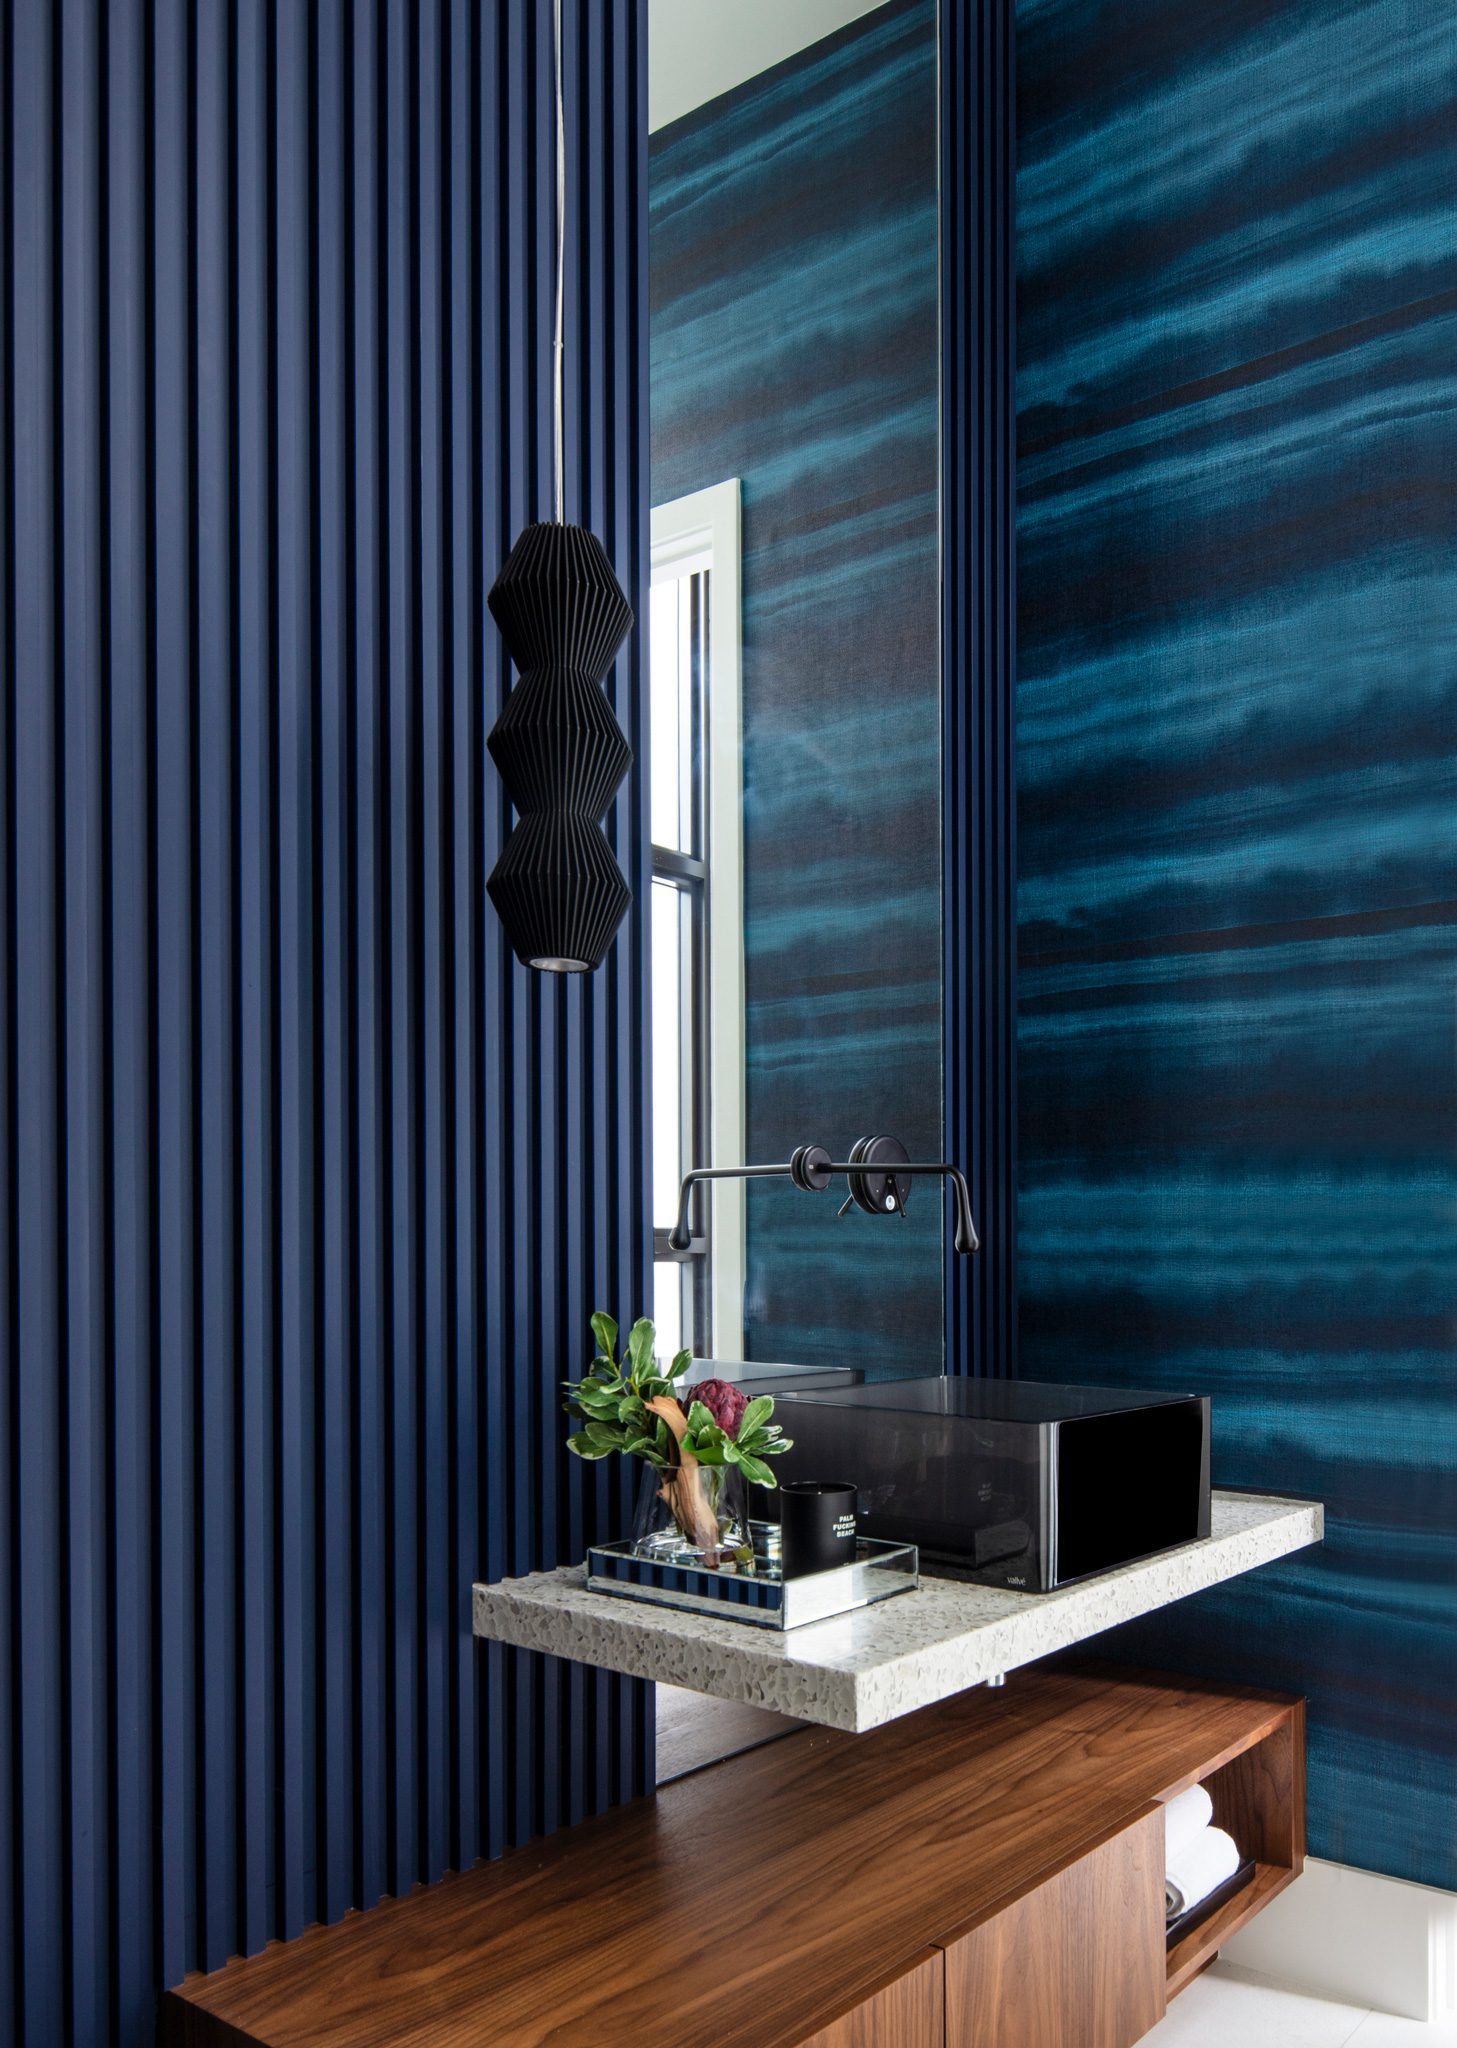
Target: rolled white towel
[1185,1818]
[1200,1868]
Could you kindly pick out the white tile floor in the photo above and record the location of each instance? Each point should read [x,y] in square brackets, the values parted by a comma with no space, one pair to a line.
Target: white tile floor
[1230,2008]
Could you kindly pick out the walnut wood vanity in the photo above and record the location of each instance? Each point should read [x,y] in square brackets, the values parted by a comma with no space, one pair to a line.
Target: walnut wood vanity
[987,1873]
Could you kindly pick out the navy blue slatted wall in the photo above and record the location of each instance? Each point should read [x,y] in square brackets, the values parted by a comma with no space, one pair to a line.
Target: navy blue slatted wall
[978,534]
[308,1190]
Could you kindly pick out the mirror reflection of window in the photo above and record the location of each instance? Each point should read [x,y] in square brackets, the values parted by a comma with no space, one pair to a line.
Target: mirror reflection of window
[679,671]
[697,918]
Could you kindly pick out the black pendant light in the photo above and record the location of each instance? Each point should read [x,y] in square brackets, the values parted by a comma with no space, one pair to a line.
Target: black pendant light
[559,749]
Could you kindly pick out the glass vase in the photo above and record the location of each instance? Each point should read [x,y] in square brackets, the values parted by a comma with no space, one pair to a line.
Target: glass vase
[695,1516]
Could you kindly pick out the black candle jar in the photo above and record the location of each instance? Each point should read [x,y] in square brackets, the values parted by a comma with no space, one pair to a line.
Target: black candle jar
[817,1517]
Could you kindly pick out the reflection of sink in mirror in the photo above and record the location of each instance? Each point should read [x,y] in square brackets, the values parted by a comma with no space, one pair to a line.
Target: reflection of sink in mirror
[764,1378]
[767,1377]
[795,772]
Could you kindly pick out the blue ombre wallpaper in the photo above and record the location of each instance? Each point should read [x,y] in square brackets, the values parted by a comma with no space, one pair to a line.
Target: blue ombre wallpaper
[1237,723]
[793,265]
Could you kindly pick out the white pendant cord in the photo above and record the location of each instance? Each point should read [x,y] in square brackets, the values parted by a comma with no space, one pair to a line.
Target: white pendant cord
[561,265]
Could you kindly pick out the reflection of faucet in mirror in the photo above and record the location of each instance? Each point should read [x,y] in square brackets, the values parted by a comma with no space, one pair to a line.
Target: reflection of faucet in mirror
[878,1172]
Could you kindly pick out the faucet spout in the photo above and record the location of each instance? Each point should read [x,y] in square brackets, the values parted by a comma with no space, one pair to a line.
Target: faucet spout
[811,1168]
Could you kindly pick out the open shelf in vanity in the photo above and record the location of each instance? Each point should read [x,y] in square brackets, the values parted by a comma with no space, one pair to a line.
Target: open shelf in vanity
[1259,1798]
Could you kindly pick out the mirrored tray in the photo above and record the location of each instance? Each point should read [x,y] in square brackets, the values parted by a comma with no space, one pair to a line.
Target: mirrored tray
[759,1597]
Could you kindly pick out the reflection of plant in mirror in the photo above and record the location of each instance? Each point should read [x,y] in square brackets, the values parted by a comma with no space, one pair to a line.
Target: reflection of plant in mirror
[628,1405]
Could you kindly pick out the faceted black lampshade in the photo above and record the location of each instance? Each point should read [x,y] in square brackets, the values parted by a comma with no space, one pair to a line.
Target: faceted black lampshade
[560,752]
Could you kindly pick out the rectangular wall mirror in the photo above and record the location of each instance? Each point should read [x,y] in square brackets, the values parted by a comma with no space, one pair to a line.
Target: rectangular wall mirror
[795,668]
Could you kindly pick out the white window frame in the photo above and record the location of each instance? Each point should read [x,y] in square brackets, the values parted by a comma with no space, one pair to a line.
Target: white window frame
[706,524]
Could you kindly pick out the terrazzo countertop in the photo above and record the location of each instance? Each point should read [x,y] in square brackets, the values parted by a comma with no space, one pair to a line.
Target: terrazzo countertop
[861,1669]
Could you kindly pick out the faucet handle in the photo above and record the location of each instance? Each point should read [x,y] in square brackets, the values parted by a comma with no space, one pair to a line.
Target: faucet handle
[879,1190]
[809,1168]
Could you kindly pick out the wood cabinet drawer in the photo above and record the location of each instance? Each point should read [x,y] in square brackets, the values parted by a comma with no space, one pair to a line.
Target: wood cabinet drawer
[1077,1962]
[910,2012]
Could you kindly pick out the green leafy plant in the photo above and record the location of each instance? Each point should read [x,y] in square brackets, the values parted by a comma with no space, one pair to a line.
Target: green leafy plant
[627,1405]
[755,1439]
[612,1400]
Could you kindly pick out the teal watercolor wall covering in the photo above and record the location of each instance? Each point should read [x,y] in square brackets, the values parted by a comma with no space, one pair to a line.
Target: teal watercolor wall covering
[1237,730]
[793,265]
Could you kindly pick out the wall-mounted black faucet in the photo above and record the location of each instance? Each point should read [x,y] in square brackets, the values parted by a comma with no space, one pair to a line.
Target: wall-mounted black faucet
[878,1172]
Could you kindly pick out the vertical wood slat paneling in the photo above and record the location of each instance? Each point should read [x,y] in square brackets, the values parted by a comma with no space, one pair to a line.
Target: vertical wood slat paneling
[336,1597]
[257,921]
[308,1188]
[298,1512]
[171,518]
[9,1802]
[402,1183]
[365,174]
[87,1702]
[39,1619]
[978,529]
[217,681]
[462,408]
[437,932]
[127,911]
